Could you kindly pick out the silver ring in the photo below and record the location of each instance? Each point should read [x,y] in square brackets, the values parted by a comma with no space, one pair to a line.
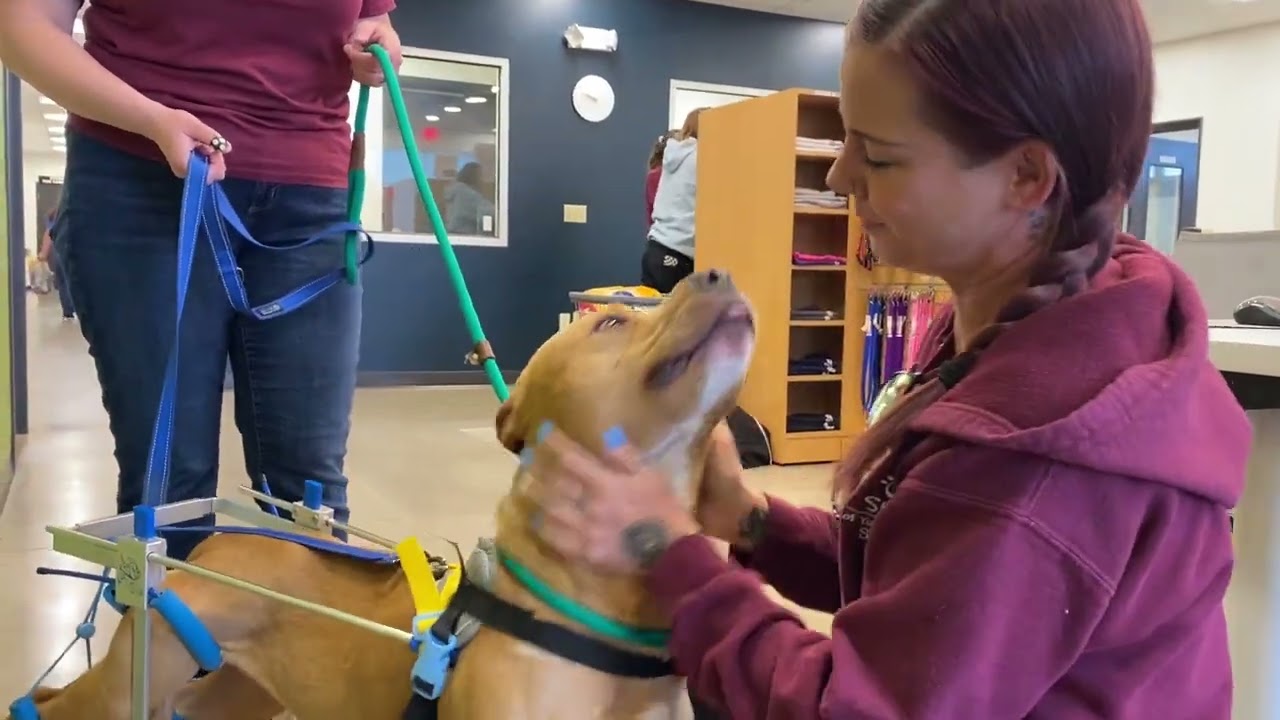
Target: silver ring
[220,144]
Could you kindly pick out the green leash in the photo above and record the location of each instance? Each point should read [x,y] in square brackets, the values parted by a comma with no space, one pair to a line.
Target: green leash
[355,201]
[588,618]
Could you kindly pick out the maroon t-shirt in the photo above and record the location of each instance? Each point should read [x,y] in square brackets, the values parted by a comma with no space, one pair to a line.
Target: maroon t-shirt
[269,75]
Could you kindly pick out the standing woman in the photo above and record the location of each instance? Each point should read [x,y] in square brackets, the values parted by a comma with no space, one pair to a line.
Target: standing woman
[668,255]
[259,88]
[1038,527]
[654,174]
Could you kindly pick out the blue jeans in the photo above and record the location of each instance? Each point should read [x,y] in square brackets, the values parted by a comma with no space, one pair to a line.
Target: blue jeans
[64,286]
[294,375]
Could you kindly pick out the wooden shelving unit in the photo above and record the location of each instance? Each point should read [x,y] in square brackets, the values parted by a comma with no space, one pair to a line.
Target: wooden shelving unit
[748,223]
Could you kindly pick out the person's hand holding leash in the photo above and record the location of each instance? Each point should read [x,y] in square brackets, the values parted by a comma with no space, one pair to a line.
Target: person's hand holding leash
[178,132]
[611,512]
[364,66]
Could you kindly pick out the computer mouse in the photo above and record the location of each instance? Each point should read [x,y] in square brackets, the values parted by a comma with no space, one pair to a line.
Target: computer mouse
[1261,310]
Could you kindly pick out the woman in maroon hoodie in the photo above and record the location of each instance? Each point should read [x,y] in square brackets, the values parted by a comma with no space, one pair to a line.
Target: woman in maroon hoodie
[1038,527]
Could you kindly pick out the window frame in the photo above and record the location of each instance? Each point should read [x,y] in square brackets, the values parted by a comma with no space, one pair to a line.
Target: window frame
[374,143]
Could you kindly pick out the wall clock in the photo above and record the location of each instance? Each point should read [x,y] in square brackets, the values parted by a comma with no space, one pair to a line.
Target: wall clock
[593,98]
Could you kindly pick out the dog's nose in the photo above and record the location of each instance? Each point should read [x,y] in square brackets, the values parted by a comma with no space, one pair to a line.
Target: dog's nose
[712,280]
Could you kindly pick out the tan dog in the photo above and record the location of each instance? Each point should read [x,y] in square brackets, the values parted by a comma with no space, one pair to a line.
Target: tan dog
[665,377]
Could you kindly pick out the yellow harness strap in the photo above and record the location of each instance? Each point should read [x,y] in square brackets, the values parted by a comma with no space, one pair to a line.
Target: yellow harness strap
[429,597]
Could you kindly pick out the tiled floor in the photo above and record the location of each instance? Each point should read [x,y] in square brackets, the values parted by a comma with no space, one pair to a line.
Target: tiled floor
[422,461]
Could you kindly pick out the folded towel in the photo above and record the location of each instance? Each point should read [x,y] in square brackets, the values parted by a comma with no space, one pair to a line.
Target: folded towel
[800,258]
[812,422]
[814,314]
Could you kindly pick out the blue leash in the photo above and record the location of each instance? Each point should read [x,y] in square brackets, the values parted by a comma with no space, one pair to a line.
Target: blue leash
[207,206]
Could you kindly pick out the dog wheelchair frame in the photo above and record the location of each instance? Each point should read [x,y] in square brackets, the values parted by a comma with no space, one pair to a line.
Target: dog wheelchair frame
[131,546]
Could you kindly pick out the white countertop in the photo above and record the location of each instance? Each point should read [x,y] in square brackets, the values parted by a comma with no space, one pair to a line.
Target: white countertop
[1245,349]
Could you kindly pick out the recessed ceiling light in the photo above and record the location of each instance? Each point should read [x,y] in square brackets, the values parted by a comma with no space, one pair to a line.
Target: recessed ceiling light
[494,89]
[476,100]
[433,118]
[47,101]
[55,117]
[452,108]
[60,148]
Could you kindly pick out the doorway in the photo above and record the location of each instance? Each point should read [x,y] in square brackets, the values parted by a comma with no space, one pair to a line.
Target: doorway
[687,96]
[1163,203]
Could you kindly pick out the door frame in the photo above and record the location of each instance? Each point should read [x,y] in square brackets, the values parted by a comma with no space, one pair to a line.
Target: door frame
[12,87]
[677,85]
[1168,126]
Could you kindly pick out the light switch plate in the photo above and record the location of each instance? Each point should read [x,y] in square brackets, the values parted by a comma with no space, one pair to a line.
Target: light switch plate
[575,213]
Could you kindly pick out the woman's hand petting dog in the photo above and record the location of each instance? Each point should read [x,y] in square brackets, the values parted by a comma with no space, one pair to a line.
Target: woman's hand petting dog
[611,512]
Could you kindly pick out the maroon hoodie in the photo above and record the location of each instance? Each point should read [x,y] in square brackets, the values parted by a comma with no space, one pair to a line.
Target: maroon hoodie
[651,192]
[1056,546]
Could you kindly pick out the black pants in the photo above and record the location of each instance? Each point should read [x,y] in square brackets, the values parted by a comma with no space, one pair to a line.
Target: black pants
[661,267]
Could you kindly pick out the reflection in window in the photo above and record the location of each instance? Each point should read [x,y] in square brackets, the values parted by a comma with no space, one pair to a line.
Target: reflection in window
[455,109]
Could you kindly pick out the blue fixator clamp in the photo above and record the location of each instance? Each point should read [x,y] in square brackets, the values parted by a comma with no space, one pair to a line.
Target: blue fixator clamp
[24,708]
[312,495]
[435,659]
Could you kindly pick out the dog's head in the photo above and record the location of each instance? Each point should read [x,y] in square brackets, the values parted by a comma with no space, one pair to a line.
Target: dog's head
[665,377]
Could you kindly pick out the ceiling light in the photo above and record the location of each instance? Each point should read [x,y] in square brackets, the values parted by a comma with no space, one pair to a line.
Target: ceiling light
[452,108]
[433,118]
[56,117]
[494,89]
[60,148]
[476,100]
[56,130]
[47,101]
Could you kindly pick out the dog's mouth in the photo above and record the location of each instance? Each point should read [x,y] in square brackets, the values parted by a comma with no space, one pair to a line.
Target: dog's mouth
[735,317]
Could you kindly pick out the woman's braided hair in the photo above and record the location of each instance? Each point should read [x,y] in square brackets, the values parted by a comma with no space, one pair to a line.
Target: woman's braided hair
[1075,74]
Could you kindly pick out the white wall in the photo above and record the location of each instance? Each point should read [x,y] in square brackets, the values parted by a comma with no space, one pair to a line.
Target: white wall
[35,165]
[1229,80]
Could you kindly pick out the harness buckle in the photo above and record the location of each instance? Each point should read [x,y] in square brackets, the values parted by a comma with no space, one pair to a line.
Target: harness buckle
[435,659]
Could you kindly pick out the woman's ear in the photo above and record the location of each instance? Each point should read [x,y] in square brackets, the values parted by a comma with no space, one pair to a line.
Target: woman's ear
[510,428]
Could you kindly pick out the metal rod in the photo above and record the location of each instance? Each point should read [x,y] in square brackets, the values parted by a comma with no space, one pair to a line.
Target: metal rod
[371,626]
[141,664]
[122,525]
[263,497]
[349,529]
[362,534]
[253,515]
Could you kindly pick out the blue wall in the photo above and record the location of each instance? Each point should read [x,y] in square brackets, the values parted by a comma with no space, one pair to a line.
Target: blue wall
[412,323]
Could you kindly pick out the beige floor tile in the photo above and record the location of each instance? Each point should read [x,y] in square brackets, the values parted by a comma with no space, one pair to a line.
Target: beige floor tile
[423,462]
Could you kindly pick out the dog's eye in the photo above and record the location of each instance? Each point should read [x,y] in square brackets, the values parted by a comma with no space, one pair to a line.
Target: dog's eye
[610,321]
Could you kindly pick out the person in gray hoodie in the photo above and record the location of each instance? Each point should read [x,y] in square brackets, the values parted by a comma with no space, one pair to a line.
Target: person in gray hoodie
[668,254]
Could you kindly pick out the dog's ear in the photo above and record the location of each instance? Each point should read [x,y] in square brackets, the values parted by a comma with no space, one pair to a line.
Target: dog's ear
[510,430]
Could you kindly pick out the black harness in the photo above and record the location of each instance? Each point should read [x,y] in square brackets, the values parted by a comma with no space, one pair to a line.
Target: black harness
[495,613]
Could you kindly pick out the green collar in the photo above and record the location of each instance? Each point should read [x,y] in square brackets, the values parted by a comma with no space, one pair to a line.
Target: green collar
[581,614]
